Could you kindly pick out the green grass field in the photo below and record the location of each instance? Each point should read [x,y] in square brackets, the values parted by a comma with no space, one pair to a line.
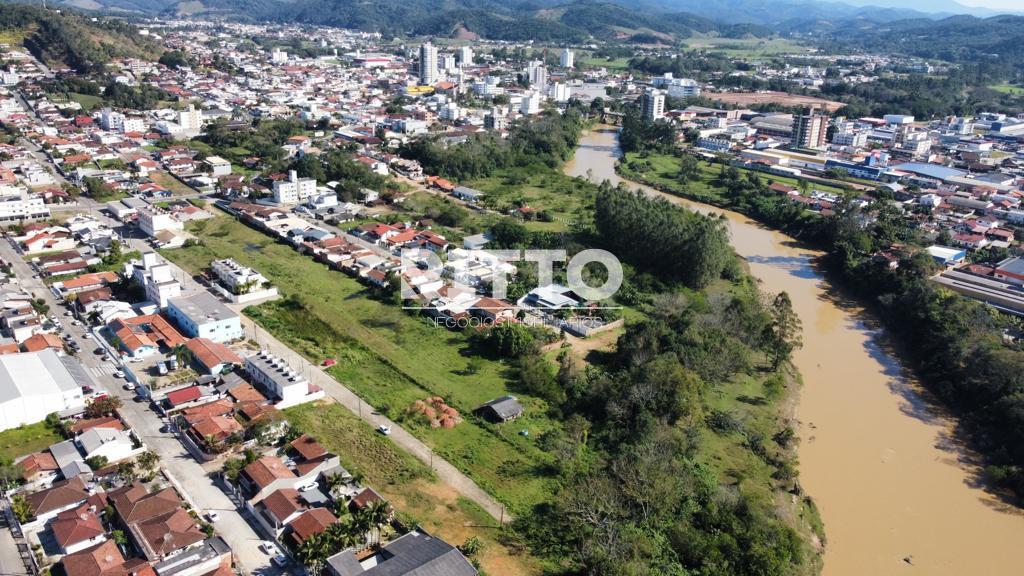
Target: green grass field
[661,170]
[87,101]
[390,357]
[26,440]
[1007,88]
[745,47]
[563,197]
[616,64]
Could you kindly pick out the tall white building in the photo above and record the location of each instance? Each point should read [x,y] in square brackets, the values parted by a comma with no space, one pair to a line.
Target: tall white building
[428,64]
[677,87]
[652,105]
[537,74]
[154,274]
[446,63]
[568,59]
[531,103]
[293,190]
[560,92]
[191,120]
[111,120]
[465,55]
[278,56]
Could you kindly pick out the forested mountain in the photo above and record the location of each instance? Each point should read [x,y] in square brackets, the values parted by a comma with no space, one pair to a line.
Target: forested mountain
[72,39]
[995,40]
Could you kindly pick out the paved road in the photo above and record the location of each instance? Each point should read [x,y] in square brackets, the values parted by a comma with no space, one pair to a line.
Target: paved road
[10,558]
[198,487]
[445,471]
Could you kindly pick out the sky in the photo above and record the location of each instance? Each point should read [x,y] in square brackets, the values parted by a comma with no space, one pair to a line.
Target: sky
[1015,5]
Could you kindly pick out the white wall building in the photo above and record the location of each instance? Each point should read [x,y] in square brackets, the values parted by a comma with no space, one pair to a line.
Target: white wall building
[34,384]
[18,204]
[567,59]
[293,190]
[153,219]
[428,64]
[277,378]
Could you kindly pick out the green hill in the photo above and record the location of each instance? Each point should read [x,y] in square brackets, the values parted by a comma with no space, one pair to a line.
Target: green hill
[70,39]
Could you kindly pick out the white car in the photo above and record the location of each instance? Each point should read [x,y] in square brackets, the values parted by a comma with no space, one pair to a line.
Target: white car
[268,547]
[385,430]
[118,374]
[212,516]
[87,335]
[129,386]
[67,312]
[308,487]
[76,323]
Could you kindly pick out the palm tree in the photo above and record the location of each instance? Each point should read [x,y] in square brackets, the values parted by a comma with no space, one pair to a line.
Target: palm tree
[379,514]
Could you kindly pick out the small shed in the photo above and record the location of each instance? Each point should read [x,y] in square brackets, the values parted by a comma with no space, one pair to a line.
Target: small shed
[501,409]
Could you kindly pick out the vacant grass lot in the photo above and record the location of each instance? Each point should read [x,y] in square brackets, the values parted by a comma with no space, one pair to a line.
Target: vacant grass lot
[661,170]
[26,440]
[406,483]
[171,183]
[566,199]
[389,357]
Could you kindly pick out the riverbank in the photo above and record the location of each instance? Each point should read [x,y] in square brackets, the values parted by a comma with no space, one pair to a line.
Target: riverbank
[884,469]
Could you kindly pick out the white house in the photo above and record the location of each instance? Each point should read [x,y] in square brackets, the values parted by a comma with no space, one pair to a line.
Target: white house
[276,377]
[114,445]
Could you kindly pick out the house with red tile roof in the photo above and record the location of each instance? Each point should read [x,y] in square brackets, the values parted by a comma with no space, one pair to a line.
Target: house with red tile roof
[144,335]
[104,559]
[42,341]
[310,523]
[77,529]
[211,357]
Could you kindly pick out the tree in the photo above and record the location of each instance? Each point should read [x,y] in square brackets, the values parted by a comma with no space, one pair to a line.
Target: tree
[689,169]
[97,462]
[126,470]
[20,507]
[148,460]
[119,537]
[785,332]
[104,406]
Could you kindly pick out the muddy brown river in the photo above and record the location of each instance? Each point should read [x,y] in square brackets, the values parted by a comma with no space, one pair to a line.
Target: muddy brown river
[881,462]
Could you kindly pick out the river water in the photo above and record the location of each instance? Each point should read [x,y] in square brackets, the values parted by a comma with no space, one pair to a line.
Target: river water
[881,462]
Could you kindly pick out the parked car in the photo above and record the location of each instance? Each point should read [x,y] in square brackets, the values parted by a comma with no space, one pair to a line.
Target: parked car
[129,386]
[172,364]
[161,368]
[280,560]
[212,516]
[118,374]
[310,486]
[385,430]
[268,547]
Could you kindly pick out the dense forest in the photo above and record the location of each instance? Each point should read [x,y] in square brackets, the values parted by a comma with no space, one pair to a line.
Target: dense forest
[71,39]
[548,141]
[678,245]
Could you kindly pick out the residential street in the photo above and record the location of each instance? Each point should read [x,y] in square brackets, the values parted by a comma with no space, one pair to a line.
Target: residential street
[199,488]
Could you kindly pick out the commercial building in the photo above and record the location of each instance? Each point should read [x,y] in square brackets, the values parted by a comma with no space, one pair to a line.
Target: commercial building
[204,316]
[465,56]
[428,64]
[34,384]
[809,130]
[19,205]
